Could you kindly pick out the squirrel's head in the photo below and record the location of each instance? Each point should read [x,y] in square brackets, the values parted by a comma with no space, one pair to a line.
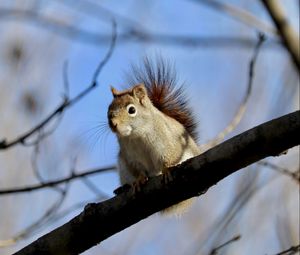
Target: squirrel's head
[129,110]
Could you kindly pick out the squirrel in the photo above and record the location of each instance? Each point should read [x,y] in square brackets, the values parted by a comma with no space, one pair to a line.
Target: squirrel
[154,126]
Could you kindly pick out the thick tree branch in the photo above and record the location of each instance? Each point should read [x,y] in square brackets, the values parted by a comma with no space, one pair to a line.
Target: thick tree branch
[287,33]
[192,178]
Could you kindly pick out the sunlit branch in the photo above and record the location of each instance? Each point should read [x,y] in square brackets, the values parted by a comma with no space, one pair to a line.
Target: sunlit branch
[287,33]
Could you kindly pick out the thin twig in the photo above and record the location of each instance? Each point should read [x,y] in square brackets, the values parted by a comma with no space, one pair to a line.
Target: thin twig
[241,110]
[51,184]
[66,102]
[66,79]
[214,251]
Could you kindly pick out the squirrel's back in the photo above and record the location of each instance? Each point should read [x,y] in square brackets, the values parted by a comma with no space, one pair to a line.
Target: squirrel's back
[160,80]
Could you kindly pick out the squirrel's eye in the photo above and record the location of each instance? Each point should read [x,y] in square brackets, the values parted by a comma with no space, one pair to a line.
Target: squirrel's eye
[131,109]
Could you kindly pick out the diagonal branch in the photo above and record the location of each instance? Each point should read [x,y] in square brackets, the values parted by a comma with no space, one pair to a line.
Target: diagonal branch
[192,178]
[287,33]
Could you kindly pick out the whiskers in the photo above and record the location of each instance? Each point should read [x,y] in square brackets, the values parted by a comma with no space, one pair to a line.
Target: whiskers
[97,135]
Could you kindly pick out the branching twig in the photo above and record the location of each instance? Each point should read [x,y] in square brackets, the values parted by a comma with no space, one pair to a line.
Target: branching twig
[241,110]
[214,251]
[193,177]
[67,102]
[287,33]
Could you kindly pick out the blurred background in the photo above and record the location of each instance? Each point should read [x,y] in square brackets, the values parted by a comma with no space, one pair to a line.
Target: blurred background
[211,44]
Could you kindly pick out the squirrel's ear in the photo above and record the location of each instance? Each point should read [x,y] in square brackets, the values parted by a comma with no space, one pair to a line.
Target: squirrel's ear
[114,91]
[139,91]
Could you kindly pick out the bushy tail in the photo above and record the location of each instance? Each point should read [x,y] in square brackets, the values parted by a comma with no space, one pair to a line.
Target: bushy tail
[160,80]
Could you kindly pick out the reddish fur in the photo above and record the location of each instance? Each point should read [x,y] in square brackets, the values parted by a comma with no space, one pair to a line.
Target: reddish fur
[160,81]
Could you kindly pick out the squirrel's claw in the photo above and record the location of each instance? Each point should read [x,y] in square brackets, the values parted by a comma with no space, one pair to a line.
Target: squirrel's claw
[167,176]
[139,182]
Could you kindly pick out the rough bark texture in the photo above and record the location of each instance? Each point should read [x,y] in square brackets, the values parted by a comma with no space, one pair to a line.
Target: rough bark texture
[192,178]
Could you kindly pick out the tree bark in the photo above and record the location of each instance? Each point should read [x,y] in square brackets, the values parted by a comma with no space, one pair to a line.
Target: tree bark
[192,178]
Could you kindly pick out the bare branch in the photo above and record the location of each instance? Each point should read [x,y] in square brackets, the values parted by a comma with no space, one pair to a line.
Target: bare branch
[51,184]
[67,102]
[287,33]
[192,178]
